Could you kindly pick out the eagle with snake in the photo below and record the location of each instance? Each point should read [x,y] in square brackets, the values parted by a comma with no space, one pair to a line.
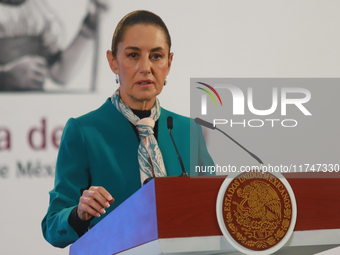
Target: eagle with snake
[262,200]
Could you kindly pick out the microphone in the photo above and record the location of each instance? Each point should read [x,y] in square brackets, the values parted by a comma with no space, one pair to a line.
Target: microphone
[170,127]
[211,126]
[204,123]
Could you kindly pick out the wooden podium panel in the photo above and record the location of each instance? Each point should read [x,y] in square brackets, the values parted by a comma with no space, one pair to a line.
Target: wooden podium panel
[189,209]
[183,209]
[317,199]
[318,203]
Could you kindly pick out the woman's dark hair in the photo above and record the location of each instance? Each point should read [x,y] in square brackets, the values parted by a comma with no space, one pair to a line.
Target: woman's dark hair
[137,18]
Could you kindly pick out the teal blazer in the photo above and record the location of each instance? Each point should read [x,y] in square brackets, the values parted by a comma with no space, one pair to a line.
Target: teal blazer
[100,149]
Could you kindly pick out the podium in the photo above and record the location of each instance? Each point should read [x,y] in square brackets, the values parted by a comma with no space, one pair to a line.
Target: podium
[177,215]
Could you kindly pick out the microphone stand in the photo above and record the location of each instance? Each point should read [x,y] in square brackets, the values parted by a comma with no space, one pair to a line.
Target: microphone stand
[170,126]
[184,173]
[211,126]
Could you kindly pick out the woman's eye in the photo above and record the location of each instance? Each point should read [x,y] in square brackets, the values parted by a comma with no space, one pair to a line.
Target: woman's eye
[156,56]
[133,55]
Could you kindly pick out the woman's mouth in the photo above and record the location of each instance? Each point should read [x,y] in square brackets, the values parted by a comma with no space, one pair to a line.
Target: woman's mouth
[145,83]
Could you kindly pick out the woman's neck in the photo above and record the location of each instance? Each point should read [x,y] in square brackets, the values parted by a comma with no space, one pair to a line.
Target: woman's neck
[142,114]
[139,105]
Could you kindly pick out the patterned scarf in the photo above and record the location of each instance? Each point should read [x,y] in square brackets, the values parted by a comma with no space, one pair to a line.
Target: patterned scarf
[149,155]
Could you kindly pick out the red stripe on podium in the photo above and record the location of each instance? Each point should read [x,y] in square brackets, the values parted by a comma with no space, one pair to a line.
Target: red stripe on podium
[190,208]
[317,199]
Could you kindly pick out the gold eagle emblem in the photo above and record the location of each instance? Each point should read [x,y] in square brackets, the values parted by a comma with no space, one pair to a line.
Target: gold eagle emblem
[263,202]
[257,210]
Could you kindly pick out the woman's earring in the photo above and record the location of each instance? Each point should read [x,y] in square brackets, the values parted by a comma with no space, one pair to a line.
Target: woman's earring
[117,79]
[165,82]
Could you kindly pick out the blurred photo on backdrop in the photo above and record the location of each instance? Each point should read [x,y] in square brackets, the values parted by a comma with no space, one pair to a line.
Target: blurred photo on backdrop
[30,50]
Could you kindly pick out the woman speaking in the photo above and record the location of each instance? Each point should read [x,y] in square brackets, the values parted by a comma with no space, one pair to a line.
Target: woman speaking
[106,155]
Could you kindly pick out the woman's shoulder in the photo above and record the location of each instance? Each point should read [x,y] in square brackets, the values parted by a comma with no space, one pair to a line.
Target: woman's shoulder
[105,115]
[105,111]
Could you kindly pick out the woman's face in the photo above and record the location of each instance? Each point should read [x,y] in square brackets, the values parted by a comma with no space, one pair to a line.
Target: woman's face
[142,63]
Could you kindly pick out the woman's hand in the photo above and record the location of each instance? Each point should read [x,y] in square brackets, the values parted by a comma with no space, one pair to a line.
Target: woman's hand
[26,73]
[93,202]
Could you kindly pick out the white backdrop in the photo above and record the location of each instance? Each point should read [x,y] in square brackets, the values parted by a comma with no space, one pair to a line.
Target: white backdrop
[216,38]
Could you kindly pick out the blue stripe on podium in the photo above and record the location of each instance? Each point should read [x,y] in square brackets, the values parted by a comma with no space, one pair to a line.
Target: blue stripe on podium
[131,224]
